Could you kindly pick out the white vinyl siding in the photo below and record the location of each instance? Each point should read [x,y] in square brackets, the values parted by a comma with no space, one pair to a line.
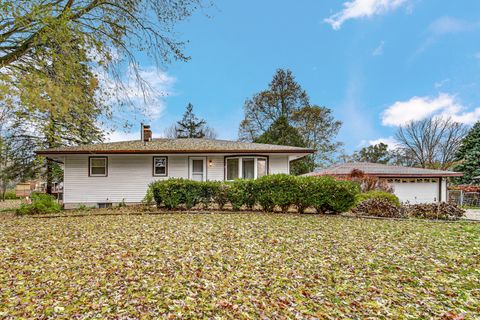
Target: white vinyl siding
[127,180]
[129,176]
[215,168]
[278,164]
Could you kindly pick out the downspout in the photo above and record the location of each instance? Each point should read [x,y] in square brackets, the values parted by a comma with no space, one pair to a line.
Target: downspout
[440,189]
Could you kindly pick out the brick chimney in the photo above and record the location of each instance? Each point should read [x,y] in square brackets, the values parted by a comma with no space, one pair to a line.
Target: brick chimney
[146,133]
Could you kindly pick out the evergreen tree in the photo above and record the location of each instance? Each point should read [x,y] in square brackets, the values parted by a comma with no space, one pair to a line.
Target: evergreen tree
[469,156]
[190,126]
[282,133]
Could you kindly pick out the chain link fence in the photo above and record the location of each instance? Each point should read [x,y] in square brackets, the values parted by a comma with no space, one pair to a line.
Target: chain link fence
[464,199]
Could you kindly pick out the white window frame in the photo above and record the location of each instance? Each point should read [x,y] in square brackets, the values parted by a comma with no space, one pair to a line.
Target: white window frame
[166,167]
[190,167]
[90,174]
[240,165]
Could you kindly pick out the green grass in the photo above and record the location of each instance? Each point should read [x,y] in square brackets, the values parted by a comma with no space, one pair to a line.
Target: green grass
[237,266]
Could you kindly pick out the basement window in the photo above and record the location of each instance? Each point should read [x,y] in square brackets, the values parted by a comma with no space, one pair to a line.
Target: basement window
[98,166]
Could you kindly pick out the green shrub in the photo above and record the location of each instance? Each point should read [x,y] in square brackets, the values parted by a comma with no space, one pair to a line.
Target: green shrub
[305,197]
[175,192]
[208,191]
[10,195]
[241,192]
[376,194]
[323,193]
[220,196]
[326,194]
[41,203]
[148,199]
[277,190]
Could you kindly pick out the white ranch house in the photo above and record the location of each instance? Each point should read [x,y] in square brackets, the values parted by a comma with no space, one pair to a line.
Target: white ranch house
[413,185]
[110,173]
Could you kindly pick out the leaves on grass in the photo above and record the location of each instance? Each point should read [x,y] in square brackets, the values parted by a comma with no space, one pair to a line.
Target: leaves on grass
[239,266]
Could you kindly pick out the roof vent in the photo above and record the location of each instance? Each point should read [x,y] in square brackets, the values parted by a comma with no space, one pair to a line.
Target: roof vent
[146,133]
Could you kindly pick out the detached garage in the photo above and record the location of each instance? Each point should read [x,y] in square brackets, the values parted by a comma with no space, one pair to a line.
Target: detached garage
[414,185]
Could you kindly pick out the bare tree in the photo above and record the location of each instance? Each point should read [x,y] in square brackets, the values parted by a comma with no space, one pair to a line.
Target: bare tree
[432,142]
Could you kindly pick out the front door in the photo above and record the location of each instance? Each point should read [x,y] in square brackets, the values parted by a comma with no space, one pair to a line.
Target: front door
[198,168]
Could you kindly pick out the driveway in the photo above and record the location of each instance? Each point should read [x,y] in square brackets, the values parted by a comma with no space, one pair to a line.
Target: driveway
[473,214]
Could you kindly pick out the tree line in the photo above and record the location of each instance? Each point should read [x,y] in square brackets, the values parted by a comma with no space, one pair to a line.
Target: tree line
[55,55]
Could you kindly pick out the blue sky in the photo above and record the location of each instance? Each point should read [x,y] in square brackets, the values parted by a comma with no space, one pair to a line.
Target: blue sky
[376,63]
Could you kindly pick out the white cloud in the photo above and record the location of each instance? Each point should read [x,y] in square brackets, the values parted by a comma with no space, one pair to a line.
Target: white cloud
[446,25]
[418,108]
[355,9]
[122,136]
[440,84]
[389,141]
[147,94]
[378,51]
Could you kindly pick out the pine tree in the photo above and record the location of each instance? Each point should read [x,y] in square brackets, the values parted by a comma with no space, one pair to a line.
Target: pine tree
[469,156]
[190,126]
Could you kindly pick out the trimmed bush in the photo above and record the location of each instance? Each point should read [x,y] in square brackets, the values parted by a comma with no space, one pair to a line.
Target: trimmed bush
[41,204]
[241,193]
[283,191]
[280,190]
[175,192]
[220,196]
[339,196]
[208,190]
[376,194]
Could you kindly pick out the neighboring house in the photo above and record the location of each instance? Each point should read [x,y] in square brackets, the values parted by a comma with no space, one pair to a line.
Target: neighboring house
[109,173]
[25,189]
[415,185]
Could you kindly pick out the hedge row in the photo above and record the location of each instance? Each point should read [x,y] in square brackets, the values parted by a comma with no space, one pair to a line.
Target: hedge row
[281,191]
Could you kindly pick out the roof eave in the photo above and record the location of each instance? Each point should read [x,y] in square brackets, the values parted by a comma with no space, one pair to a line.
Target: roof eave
[53,152]
[400,175]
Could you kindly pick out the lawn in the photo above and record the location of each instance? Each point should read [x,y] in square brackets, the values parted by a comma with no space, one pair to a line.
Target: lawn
[237,266]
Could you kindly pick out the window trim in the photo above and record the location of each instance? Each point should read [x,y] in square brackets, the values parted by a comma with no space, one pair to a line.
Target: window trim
[255,157]
[166,166]
[90,174]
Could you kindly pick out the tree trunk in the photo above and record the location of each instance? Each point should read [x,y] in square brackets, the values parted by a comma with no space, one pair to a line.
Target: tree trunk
[49,174]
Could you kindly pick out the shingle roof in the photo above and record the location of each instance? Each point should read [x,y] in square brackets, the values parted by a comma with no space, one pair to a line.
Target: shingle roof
[382,170]
[176,146]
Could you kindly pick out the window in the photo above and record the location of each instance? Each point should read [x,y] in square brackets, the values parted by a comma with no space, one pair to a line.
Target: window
[245,167]
[232,168]
[98,166]
[160,166]
[248,167]
[261,167]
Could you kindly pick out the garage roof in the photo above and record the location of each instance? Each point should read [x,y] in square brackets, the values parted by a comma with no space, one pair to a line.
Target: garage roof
[383,170]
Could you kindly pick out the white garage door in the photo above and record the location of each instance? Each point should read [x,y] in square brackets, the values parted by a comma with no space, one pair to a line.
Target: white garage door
[416,192]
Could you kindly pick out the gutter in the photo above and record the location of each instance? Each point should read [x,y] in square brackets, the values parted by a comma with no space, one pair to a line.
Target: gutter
[47,152]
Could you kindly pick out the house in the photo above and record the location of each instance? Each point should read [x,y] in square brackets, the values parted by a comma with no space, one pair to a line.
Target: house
[25,189]
[106,174]
[415,185]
